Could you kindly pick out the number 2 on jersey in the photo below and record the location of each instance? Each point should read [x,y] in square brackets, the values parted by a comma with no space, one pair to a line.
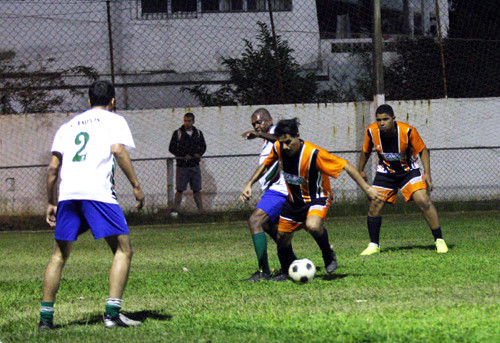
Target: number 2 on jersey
[81,155]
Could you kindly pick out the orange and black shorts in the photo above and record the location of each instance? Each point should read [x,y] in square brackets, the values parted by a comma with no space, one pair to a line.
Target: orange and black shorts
[408,183]
[293,217]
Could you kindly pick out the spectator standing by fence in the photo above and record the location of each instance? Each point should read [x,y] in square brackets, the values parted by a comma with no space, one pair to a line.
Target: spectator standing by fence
[84,151]
[187,145]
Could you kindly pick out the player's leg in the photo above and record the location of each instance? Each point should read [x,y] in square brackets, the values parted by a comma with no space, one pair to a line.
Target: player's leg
[374,223]
[118,277]
[51,282]
[256,223]
[107,221]
[429,212]
[285,251]
[120,268]
[387,187]
[314,225]
[68,226]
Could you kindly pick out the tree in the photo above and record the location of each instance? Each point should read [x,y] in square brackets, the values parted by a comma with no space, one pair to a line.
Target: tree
[267,74]
[32,88]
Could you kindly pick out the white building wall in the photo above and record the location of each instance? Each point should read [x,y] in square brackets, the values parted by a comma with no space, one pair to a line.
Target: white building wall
[447,123]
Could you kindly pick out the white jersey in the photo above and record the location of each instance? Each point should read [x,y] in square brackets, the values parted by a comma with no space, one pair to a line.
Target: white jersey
[87,171]
[266,181]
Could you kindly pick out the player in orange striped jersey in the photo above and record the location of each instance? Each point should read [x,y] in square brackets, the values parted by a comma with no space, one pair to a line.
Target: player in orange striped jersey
[306,169]
[398,146]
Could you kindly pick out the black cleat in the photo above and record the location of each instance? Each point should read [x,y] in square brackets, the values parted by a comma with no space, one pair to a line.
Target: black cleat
[330,262]
[259,275]
[281,277]
[45,326]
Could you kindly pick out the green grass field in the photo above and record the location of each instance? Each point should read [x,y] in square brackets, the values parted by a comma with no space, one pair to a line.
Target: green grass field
[186,284]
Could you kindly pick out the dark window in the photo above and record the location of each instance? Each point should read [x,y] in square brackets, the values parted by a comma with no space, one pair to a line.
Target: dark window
[277,5]
[183,6]
[354,18]
[210,6]
[154,6]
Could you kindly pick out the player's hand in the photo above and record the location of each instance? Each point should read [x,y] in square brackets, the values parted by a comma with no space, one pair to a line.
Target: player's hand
[246,195]
[374,194]
[428,180]
[139,196]
[249,135]
[50,216]
[363,175]
[187,157]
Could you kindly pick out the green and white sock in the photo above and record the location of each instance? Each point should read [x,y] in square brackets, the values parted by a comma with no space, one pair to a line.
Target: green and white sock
[260,246]
[47,311]
[113,306]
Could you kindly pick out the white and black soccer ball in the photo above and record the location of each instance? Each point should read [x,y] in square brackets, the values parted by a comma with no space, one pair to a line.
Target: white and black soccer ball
[302,271]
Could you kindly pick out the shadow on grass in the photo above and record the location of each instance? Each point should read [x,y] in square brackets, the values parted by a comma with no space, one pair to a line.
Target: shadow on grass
[331,277]
[139,315]
[411,247]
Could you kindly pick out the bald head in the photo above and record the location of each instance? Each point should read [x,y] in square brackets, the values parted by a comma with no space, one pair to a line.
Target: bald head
[262,113]
[262,120]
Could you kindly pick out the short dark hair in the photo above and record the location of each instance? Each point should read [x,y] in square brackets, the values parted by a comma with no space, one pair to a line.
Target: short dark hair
[387,109]
[189,115]
[287,126]
[101,92]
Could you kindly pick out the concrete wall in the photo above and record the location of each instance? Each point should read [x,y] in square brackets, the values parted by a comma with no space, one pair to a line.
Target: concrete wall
[449,123]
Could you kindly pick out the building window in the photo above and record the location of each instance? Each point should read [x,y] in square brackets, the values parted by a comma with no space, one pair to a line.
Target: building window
[166,9]
[344,19]
[244,5]
[154,6]
[183,6]
[276,5]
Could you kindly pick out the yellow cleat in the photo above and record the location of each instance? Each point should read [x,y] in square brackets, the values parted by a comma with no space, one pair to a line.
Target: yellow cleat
[441,246]
[372,249]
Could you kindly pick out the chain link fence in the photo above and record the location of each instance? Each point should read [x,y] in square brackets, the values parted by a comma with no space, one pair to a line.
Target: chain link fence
[224,178]
[219,58]
[184,53]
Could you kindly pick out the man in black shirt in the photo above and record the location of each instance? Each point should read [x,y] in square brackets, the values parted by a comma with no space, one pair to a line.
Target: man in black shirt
[188,145]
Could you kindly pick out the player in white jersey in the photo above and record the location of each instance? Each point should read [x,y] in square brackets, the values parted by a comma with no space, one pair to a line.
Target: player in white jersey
[84,153]
[266,214]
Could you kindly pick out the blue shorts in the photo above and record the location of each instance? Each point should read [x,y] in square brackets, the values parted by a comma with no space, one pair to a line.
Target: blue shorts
[271,203]
[75,217]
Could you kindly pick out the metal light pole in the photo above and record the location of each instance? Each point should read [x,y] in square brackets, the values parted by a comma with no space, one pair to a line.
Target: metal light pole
[379,96]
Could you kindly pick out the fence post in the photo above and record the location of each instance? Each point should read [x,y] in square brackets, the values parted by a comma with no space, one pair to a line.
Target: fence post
[170,182]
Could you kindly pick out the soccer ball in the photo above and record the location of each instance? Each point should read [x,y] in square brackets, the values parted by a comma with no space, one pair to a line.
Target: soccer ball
[302,271]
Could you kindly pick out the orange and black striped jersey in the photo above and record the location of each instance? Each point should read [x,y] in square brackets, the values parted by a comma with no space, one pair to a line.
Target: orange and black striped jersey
[396,154]
[307,173]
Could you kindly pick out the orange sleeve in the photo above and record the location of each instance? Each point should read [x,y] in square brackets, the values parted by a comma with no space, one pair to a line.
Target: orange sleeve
[273,155]
[368,144]
[416,142]
[329,163]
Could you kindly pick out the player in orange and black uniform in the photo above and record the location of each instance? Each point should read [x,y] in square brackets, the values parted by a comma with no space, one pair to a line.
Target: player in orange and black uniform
[398,146]
[306,169]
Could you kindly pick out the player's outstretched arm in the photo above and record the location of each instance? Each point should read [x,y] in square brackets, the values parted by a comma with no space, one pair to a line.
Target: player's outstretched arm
[52,182]
[246,194]
[371,192]
[426,161]
[363,158]
[123,159]
[255,134]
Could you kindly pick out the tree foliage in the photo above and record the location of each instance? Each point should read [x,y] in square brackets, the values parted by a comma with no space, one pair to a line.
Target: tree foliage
[266,74]
[33,88]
